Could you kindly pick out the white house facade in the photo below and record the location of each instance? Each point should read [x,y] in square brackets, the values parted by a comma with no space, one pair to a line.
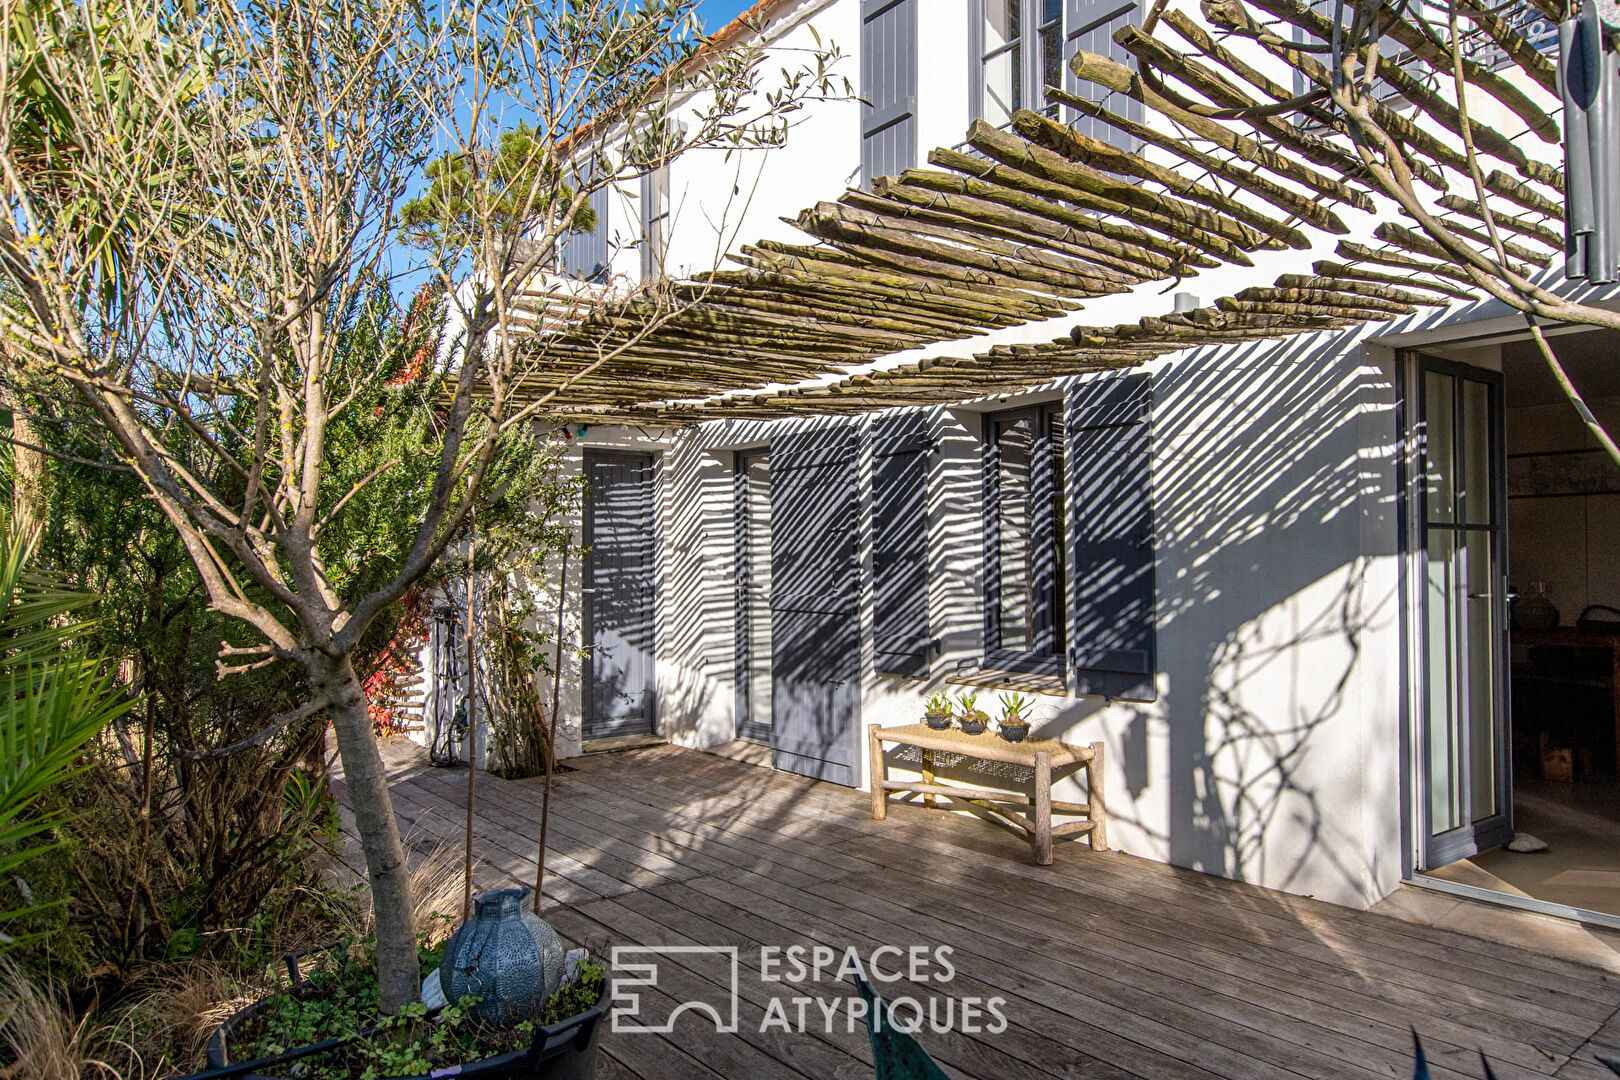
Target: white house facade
[1272,577]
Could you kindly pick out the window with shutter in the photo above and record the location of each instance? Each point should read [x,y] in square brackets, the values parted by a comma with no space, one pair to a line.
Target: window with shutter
[654,222]
[1090,25]
[1112,642]
[1388,47]
[900,447]
[1023,46]
[1024,551]
[888,87]
[815,625]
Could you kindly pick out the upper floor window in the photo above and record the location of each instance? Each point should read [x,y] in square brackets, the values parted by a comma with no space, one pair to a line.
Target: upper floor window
[1022,51]
[1023,46]
[1390,50]
[1025,569]
[655,221]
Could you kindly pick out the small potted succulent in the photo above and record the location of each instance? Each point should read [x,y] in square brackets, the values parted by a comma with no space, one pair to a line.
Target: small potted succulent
[938,711]
[972,719]
[1014,725]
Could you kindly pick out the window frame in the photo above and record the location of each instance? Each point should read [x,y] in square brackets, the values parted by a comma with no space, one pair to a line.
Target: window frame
[982,57]
[1031,31]
[1049,533]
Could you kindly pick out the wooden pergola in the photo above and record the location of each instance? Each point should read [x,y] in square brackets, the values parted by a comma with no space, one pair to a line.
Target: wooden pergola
[1023,225]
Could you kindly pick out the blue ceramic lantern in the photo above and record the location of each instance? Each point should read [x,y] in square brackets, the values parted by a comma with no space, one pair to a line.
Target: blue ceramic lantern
[506,955]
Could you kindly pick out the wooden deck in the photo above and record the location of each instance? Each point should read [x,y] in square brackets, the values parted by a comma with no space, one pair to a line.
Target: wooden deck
[1111,966]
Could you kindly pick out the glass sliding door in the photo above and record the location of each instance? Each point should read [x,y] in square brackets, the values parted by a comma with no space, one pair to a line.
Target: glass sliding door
[1464,798]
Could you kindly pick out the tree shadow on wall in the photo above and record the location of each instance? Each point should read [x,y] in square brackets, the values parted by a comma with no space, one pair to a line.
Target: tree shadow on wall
[1264,498]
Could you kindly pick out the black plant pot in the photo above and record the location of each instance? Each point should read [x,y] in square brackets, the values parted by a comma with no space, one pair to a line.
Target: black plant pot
[938,721]
[566,1050]
[1014,732]
[972,727]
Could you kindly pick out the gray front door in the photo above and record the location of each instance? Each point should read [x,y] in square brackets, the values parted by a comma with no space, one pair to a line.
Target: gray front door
[618,584]
[815,638]
[1464,797]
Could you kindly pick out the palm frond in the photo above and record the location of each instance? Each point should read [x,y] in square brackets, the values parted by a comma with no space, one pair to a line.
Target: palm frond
[54,699]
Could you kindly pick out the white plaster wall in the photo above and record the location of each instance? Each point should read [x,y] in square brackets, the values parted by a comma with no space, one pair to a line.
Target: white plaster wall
[1270,755]
[720,200]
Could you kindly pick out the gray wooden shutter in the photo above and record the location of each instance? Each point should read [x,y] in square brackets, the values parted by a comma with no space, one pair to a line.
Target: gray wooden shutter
[888,87]
[1090,25]
[652,207]
[743,571]
[815,632]
[1111,646]
[900,543]
[585,254]
[619,591]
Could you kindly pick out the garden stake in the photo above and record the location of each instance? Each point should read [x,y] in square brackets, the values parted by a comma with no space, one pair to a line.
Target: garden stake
[472,722]
[551,737]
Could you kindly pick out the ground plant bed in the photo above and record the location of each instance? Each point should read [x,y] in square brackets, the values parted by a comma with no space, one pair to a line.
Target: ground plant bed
[324,1026]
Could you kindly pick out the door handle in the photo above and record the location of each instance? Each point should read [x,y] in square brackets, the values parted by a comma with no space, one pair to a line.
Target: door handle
[835,682]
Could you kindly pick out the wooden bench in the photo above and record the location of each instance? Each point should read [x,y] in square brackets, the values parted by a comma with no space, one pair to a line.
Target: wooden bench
[1045,756]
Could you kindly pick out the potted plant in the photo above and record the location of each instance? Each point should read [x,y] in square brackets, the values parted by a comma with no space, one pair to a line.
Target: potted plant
[972,719]
[324,1026]
[937,711]
[1014,725]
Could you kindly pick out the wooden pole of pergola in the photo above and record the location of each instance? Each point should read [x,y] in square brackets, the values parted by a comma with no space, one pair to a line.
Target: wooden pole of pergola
[551,739]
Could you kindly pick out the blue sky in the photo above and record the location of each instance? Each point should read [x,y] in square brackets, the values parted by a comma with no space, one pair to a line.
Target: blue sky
[716,13]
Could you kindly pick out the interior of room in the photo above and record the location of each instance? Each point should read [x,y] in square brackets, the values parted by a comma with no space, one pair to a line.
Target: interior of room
[1563,530]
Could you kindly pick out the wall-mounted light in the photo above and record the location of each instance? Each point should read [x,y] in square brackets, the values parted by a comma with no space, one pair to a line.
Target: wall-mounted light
[1589,84]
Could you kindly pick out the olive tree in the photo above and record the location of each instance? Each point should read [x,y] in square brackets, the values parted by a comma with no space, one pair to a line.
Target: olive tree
[192,196]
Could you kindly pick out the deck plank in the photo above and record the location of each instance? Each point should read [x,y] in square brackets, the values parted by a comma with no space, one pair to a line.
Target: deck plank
[1303,975]
[1581,991]
[1020,1050]
[1113,967]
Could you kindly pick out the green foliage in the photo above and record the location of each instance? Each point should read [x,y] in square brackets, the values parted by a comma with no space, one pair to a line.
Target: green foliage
[1016,708]
[512,190]
[53,142]
[520,538]
[57,698]
[967,699]
[341,1001]
[938,703]
[574,997]
[174,858]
